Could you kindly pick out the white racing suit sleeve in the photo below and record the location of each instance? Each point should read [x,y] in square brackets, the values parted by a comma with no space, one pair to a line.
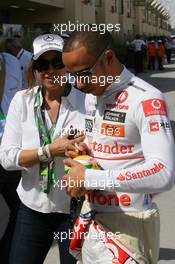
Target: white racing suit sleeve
[156,172]
[11,141]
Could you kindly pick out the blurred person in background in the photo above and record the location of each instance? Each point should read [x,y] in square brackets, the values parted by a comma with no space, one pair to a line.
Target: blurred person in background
[160,54]
[14,46]
[139,51]
[10,83]
[151,51]
[168,49]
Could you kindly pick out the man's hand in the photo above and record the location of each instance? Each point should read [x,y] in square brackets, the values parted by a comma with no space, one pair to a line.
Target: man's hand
[74,180]
[82,149]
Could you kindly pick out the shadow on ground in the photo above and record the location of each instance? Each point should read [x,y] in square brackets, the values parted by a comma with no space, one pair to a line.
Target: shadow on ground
[167,254]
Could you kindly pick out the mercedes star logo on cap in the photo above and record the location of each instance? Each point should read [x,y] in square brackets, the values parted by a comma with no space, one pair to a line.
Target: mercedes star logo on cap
[48,38]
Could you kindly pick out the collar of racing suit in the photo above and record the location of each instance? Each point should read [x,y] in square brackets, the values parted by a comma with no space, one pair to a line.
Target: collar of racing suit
[121,83]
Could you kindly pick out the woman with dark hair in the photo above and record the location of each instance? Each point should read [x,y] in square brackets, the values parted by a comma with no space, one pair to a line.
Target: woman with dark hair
[33,142]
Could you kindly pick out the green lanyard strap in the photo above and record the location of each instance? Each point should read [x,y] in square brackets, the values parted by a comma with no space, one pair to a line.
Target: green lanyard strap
[2,116]
[47,169]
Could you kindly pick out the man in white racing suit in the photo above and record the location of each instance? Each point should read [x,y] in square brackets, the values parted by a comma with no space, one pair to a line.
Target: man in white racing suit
[130,137]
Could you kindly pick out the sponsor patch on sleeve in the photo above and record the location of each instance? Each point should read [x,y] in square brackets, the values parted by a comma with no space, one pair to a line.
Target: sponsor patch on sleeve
[154,106]
[156,126]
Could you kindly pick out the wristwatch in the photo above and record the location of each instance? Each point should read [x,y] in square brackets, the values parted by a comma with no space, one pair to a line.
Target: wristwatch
[41,155]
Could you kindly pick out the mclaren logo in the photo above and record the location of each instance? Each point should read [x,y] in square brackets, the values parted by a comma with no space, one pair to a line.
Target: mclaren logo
[121,97]
[48,38]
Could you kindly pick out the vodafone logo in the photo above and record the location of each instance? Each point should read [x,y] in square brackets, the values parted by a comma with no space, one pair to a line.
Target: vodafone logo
[156,104]
[121,97]
[109,199]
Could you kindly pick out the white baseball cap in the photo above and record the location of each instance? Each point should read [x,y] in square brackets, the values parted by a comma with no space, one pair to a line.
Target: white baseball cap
[45,43]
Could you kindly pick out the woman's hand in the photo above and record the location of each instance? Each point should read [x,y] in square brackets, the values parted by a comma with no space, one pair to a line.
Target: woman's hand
[62,145]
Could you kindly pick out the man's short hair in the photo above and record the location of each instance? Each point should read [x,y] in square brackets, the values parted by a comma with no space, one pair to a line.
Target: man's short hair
[95,42]
[15,42]
[137,36]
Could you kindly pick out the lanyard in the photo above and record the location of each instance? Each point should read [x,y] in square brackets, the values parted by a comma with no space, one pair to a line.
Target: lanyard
[47,169]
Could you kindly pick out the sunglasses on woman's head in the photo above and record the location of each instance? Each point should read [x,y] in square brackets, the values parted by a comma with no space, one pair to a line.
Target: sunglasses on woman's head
[43,64]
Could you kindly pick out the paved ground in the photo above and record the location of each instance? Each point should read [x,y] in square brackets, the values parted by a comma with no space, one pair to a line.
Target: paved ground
[165,81]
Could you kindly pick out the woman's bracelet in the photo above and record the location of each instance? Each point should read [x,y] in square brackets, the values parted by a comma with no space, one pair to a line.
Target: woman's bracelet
[46,151]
